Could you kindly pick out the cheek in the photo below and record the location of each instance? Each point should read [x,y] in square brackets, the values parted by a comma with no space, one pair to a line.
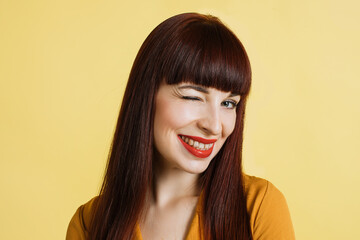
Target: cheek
[229,124]
[172,115]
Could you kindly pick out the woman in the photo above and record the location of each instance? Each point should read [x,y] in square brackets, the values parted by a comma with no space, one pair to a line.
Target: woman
[174,170]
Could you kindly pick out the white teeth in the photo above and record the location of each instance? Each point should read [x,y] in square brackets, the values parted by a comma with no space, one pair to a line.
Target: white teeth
[196,144]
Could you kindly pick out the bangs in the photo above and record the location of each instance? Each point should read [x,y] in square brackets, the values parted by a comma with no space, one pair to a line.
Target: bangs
[207,53]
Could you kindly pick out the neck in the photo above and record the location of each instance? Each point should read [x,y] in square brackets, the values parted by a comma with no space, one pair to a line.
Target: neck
[172,184]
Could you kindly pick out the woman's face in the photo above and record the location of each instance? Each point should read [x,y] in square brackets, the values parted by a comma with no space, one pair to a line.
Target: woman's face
[191,124]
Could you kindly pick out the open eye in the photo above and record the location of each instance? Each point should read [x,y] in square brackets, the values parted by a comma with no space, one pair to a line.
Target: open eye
[229,104]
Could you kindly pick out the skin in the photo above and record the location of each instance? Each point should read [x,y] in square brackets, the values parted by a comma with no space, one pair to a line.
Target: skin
[183,109]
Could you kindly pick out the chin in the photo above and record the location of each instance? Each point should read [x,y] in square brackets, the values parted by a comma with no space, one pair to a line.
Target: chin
[197,167]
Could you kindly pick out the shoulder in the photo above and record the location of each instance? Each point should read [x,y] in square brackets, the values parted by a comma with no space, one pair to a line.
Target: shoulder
[80,222]
[267,209]
[257,189]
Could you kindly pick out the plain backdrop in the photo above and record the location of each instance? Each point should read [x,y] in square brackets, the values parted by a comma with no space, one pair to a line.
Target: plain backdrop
[64,66]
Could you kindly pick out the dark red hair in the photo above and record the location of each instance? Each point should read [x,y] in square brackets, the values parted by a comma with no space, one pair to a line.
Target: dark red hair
[188,47]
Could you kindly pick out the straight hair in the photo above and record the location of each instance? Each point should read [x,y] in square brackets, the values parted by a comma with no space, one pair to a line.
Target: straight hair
[193,48]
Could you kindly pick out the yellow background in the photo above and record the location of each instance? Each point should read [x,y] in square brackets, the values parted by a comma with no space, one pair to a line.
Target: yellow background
[64,66]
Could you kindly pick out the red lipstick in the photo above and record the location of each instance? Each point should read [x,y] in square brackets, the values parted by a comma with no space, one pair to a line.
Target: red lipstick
[201,140]
[197,152]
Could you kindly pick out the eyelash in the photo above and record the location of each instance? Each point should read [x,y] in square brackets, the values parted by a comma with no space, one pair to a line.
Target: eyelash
[191,98]
[234,104]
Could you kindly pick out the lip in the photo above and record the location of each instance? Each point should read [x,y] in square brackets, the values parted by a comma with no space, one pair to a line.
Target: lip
[200,139]
[196,152]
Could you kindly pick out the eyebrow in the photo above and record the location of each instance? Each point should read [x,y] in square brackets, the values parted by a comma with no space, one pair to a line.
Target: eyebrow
[197,88]
[203,90]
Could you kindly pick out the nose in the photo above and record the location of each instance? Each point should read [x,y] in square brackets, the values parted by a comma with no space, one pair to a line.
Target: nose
[210,121]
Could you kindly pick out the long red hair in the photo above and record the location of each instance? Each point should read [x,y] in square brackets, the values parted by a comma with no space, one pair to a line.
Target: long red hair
[188,47]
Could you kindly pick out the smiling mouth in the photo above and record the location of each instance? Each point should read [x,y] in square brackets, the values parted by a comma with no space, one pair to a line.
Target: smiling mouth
[197,146]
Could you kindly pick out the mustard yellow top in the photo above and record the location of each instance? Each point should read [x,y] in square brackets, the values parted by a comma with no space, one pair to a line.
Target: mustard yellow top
[267,208]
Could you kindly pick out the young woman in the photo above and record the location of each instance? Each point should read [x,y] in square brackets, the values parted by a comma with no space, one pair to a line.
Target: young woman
[174,170]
